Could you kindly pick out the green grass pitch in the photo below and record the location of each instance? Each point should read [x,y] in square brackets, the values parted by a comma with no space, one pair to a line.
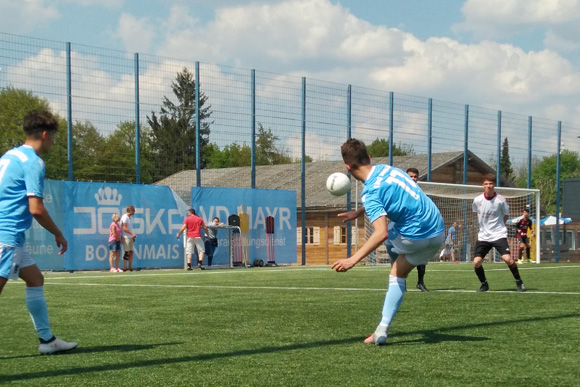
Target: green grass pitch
[298,326]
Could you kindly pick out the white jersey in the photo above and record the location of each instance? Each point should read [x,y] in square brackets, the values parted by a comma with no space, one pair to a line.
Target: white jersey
[490,215]
[126,219]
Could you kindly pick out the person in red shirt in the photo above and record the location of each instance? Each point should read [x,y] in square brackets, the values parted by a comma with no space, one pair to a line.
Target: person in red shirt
[193,224]
[522,226]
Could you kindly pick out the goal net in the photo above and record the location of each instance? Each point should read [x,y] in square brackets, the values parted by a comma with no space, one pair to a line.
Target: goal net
[455,203]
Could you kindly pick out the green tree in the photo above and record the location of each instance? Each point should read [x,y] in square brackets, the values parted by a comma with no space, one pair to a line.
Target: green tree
[235,155]
[380,148]
[119,154]
[544,176]
[505,164]
[266,151]
[89,163]
[173,130]
[14,104]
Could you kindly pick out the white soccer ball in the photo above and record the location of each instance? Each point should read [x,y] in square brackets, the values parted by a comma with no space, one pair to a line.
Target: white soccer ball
[338,184]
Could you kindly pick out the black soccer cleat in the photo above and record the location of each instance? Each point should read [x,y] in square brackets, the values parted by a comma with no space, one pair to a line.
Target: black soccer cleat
[520,286]
[421,286]
[483,288]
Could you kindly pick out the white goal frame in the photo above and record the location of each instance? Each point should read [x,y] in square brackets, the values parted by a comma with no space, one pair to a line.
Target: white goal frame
[466,193]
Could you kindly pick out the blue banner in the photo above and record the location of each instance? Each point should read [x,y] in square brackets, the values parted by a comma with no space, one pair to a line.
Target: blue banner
[83,212]
[257,204]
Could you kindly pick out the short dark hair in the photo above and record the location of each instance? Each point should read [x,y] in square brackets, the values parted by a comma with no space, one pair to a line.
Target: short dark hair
[37,121]
[414,170]
[488,177]
[218,219]
[191,211]
[130,208]
[526,210]
[354,153]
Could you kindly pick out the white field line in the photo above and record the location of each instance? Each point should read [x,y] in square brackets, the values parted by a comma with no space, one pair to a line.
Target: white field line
[385,268]
[292,288]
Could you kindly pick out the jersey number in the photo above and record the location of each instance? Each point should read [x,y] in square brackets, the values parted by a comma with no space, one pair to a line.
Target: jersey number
[3,164]
[404,182]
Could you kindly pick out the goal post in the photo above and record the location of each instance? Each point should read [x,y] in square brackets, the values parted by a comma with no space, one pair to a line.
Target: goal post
[455,203]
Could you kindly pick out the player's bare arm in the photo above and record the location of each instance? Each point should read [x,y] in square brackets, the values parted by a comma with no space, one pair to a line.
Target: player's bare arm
[375,240]
[351,215]
[43,218]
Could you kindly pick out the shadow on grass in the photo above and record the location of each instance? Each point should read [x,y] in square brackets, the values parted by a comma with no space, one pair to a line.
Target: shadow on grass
[104,348]
[431,336]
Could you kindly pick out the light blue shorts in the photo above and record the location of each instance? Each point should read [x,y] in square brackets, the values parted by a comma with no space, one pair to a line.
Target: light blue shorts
[12,259]
[417,251]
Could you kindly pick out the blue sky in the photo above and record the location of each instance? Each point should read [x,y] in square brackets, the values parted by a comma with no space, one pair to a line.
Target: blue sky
[520,56]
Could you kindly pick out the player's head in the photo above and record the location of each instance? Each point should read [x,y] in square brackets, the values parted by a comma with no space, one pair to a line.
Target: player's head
[454,224]
[413,174]
[488,184]
[130,210]
[191,211]
[354,153]
[115,217]
[525,213]
[216,220]
[41,125]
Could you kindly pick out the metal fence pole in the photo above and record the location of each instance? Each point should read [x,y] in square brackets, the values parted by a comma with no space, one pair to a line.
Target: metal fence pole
[348,195]
[558,161]
[69,128]
[197,129]
[303,173]
[429,136]
[253,128]
[498,168]
[391,126]
[137,123]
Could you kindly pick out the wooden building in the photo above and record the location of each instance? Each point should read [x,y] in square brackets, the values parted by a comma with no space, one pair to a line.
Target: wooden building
[325,232]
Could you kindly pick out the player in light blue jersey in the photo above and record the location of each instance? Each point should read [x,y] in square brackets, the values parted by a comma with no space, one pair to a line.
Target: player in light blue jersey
[416,230]
[21,199]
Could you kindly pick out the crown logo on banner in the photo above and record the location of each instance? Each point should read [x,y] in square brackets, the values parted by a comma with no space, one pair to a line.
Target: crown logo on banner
[108,197]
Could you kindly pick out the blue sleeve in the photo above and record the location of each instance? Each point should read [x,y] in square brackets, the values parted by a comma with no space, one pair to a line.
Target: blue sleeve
[373,207]
[34,178]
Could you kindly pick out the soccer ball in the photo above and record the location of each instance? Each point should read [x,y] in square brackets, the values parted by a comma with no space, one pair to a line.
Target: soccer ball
[338,184]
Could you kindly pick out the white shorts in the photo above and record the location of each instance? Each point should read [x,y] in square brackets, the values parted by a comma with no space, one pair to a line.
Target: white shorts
[128,243]
[12,259]
[417,251]
[192,244]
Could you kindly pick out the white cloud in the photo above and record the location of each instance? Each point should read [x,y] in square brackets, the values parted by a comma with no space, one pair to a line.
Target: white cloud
[24,16]
[136,34]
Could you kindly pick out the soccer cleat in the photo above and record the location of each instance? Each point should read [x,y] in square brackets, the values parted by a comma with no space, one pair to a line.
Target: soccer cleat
[484,287]
[422,287]
[379,337]
[520,285]
[120,270]
[189,268]
[55,346]
[113,270]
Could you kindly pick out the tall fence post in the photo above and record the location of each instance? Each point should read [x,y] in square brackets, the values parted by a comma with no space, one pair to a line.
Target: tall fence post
[69,129]
[429,136]
[391,126]
[530,152]
[137,123]
[303,173]
[498,163]
[253,128]
[558,161]
[348,194]
[197,129]
[466,144]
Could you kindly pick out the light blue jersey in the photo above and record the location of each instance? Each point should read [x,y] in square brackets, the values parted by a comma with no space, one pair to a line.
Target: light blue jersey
[21,176]
[390,192]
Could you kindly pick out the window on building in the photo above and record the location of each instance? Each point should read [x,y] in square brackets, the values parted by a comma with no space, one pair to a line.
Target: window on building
[340,235]
[312,236]
[570,239]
